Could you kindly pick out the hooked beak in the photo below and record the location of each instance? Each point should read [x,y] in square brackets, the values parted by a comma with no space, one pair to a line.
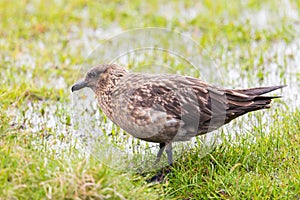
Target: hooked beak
[79,85]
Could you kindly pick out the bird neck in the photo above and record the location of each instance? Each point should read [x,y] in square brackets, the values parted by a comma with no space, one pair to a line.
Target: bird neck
[106,85]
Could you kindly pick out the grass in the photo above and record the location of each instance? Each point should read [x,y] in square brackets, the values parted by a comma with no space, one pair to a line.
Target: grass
[253,166]
[44,44]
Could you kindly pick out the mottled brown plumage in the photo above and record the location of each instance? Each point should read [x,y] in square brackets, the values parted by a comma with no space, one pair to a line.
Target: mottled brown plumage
[167,108]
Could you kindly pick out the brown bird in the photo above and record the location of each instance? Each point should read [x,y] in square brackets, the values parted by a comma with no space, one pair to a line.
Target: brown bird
[167,108]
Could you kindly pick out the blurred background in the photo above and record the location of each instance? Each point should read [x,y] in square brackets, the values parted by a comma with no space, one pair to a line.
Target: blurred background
[46,46]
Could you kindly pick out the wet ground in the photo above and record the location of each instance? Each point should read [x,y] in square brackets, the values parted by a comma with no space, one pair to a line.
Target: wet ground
[81,124]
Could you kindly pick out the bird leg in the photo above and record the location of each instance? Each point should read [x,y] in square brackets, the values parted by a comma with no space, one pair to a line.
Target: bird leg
[169,153]
[160,176]
[162,147]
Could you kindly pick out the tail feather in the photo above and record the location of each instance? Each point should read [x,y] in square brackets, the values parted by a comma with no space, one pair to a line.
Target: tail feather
[259,90]
[243,101]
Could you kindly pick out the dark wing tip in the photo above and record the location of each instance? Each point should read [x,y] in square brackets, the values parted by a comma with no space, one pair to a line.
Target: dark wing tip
[259,90]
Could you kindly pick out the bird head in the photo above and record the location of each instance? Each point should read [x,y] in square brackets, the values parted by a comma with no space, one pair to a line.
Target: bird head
[91,78]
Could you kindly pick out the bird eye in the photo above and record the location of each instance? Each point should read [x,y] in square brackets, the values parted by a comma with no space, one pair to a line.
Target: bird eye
[92,75]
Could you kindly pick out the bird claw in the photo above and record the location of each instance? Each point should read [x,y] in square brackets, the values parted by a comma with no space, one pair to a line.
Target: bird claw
[160,176]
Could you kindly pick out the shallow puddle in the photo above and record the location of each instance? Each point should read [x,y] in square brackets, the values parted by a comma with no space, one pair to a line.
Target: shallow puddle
[80,124]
